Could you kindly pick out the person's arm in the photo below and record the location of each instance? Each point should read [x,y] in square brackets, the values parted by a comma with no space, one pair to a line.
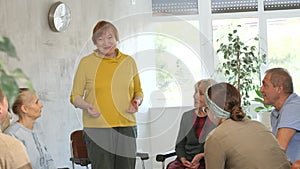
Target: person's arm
[284,136]
[182,141]
[135,103]
[138,92]
[17,156]
[196,160]
[80,103]
[180,149]
[79,88]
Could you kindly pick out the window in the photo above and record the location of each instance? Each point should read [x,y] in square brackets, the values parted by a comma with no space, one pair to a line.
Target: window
[276,23]
[169,61]
[221,28]
[283,46]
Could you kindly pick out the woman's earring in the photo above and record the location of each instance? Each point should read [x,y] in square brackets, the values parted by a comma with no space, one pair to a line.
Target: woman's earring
[204,110]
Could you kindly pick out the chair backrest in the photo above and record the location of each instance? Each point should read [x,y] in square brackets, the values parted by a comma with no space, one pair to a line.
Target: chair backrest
[79,149]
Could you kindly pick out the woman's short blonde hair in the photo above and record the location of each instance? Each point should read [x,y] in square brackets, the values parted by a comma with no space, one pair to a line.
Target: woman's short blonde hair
[205,83]
[101,26]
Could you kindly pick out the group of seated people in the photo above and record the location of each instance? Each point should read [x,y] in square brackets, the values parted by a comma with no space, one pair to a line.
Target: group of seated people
[215,134]
[27,107]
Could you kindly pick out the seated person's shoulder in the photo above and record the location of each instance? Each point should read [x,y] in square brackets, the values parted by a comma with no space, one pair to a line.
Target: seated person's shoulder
[13,153]
[12,129]
[189,113]
[10,143]
[6,140]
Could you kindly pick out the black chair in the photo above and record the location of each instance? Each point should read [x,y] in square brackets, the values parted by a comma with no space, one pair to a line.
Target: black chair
[79,153]
[162,157]
[143,156]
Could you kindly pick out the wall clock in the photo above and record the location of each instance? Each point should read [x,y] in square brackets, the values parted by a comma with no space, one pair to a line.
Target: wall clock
[59,17]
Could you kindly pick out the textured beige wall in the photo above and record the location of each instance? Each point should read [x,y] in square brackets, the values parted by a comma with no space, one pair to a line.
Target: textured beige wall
[50,58]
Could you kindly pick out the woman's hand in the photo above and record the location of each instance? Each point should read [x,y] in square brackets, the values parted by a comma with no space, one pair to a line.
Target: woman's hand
[195,166]
[92,111]
[133,107]
[185,162]
[195,162]
[80,103]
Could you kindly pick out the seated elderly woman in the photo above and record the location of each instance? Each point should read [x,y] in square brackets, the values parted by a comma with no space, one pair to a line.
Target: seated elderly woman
[238,142]
[194,127]
[28,108]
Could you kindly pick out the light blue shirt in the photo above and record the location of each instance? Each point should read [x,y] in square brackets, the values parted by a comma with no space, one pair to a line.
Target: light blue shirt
[289,117]
[38,154]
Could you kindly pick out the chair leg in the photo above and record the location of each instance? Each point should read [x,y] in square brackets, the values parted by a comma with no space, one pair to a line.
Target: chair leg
[163,165]
[143,164]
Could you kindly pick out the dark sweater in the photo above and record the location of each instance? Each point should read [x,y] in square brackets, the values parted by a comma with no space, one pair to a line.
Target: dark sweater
[187,144]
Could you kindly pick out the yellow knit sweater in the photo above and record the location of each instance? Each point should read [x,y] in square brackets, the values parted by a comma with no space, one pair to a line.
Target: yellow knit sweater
[109,84]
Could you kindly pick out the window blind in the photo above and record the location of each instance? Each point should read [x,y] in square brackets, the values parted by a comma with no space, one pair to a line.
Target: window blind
[230,6]
[174,7]
[281,4]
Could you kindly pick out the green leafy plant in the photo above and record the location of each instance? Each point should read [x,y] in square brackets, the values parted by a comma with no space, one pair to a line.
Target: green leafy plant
[241,62]
[262,107]
[10,79]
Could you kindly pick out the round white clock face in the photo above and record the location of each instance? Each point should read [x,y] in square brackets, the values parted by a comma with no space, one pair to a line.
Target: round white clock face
[59,17]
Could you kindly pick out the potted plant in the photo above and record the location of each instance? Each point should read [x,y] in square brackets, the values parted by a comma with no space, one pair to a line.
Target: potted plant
[262,107]
[241,63]
[9,79]
[263,110]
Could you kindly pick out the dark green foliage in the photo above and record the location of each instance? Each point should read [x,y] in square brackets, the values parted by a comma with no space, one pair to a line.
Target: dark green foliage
[7,47]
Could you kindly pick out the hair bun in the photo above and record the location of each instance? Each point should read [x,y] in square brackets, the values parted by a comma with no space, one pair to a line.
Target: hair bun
[237,113]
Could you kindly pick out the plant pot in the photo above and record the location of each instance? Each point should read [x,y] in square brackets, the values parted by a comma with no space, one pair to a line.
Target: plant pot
[264,118]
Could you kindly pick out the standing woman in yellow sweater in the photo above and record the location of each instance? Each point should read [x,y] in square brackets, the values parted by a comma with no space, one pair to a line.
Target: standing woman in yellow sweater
[107,88]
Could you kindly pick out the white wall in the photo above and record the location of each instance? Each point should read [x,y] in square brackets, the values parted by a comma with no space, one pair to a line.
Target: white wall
[157,132]
[164,128]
